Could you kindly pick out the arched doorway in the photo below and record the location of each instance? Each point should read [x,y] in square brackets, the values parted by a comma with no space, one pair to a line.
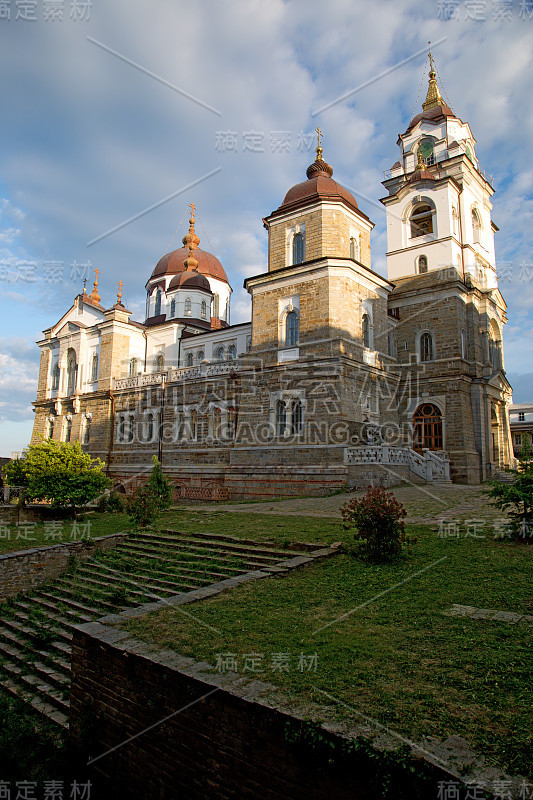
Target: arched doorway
[427,428]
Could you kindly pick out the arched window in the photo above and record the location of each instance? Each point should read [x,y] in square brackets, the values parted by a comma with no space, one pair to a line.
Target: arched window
[68,428]
[172,307]
[455,220]
[291,329]
[281,418]
[189,361]
[217,423]
[159,362]
[200,355]
[87,430]
[354,248]
[216,306]
[188,307]
[426,150]
[157,308]
[50,427]
[427,428]
[476,226]
[232,419]
[391,344]
[219,353]
[494,351]
[426,347]
[203,311]
[421,220]
[133,367]
[296,417]
[179,425]
[366,330]
[72,368]
[94,368]
[121,429]
[463,344]
[55,377]
[468,152]
[131,420]
[194,424]
[232,352]
[422,264]
[149,430]
[298,248]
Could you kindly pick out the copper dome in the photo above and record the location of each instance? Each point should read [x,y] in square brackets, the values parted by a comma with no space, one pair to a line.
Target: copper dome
[190,280]
[318,186]
[174,263]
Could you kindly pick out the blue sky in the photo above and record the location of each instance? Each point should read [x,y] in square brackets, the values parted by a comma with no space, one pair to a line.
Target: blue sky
[89,139]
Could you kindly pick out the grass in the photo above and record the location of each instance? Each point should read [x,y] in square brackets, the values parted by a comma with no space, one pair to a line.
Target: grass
[398,658]
[25,535]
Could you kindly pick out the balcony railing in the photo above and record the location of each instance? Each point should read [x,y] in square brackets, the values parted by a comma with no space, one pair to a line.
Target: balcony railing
[174,374]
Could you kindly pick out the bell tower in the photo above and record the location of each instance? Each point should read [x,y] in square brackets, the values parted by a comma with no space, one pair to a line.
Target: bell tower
[438,203]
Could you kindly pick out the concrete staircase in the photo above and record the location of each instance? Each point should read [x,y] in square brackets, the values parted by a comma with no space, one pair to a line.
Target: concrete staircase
[36,628]
[503,477]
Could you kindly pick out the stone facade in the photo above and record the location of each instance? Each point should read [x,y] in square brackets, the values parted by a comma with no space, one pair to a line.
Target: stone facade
[335,357]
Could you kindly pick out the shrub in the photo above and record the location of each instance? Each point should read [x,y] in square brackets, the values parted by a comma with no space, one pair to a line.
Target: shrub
[112,503]
[517,498]
[142,505]
[160,485]
[378,521]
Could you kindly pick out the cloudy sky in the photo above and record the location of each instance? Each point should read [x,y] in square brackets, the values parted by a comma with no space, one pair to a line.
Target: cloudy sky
[117,114]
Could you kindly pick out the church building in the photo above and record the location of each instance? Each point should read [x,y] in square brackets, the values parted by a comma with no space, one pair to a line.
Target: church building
[342,377]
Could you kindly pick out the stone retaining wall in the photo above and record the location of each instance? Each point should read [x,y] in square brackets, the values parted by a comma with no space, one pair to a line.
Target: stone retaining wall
[27,569]
[156,724]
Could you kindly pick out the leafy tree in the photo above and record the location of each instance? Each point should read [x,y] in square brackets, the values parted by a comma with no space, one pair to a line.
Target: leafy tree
[160,485]
[142,505]
[59,473]
[378,521]
[516,498]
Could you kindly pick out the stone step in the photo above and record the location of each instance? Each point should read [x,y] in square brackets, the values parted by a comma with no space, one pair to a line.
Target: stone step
[55,654]
[214,542]
[202,554]
[38,685]
[148,557]
[19,656]
[175,587]
[33,633]
[40,705]
[54,616]
[90,611]
[81,591]
[120,579]
[77,616]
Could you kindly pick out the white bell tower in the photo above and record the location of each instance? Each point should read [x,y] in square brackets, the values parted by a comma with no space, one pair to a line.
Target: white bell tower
[438,206]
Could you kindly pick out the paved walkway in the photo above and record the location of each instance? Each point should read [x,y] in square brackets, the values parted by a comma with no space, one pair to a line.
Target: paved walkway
[429,505]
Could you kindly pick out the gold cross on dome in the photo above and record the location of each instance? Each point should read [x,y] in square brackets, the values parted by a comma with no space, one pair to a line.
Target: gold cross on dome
[319,134]
[119,295]
[431,65]
[193,208]
[96,274]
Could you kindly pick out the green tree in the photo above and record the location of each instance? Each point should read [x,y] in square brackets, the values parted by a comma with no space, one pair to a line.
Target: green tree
[160,486]
[59,473]
[142,505]
[516,498]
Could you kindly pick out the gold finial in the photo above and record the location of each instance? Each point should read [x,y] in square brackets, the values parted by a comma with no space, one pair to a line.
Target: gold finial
[420,164]
[191,240]
[84,286]
[319,149]
[94,294]
[433,97]
[119,295]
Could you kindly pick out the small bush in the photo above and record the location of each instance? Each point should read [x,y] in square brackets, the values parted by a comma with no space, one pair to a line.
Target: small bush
[111,503]
[160,485]
[142,506]
[378,521]
[517,498]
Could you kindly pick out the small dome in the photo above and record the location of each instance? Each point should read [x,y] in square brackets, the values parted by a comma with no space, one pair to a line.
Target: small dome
[318,186]
[421,175]
[190,280]
[435,114]
[174,263]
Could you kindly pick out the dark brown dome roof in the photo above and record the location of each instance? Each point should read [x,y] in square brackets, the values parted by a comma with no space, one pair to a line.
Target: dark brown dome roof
[174,263]
[421,175]
[318,186]
[190,280]
[436,114]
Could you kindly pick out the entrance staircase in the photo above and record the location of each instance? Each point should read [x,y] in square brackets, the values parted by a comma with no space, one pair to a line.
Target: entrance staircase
[36,628]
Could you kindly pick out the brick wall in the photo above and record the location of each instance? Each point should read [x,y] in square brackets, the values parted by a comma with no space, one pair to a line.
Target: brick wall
[230,745]
[27,569]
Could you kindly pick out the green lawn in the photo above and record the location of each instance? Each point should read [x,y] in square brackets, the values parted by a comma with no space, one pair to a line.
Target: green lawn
[24,535]
[398,658]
